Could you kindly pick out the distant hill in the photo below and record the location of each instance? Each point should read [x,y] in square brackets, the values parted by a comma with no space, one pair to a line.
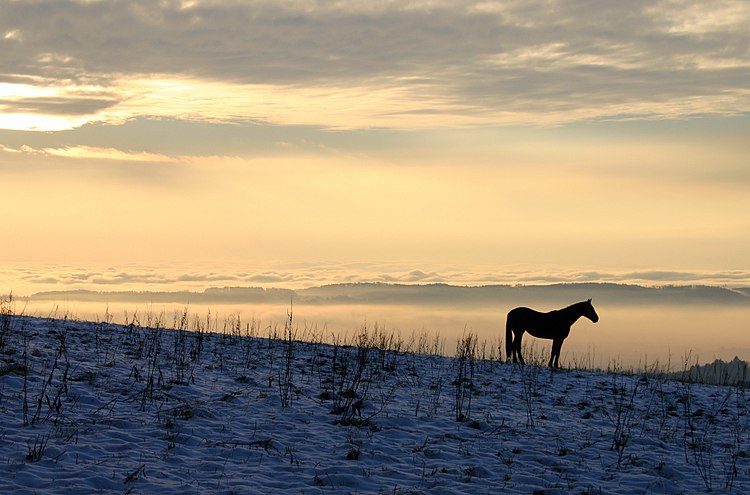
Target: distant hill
[546,296]
[556,295]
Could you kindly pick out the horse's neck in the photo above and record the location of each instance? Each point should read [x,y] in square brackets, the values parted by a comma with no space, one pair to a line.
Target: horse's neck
[571,314]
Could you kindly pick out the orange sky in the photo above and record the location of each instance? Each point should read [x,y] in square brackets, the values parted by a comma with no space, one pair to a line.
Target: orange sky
[454,138]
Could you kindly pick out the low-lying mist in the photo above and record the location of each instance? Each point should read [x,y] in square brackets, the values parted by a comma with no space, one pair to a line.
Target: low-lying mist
[634,333]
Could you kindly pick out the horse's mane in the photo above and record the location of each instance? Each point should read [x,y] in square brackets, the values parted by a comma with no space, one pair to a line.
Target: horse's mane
[572,307]
[575,305]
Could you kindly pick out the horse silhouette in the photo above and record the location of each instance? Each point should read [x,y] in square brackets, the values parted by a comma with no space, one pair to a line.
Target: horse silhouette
[554,325]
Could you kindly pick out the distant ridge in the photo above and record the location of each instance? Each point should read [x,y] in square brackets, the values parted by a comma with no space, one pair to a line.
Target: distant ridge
[554,295]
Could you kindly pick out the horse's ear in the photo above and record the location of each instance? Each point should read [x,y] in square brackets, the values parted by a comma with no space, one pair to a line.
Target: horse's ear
[589,300]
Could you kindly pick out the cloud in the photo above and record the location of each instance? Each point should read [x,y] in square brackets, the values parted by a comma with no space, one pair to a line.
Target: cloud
[663,276]
[389,64]
[412,277]
[124,278]
[24,281]
[74,106]
[88,152]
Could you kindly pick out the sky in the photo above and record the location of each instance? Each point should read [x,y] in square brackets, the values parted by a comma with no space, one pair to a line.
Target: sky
[181,144]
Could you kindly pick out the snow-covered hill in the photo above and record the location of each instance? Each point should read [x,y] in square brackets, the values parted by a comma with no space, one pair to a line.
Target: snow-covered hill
[102,408]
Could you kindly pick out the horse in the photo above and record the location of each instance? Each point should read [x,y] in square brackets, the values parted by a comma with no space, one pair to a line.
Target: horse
[554,325]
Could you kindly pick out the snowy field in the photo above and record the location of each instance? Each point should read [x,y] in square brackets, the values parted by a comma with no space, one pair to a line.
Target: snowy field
[103,408]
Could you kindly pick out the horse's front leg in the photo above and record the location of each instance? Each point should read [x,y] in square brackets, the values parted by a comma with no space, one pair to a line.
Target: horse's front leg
[554,359]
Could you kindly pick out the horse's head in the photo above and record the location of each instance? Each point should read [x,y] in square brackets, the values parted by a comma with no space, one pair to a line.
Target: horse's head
[589,311]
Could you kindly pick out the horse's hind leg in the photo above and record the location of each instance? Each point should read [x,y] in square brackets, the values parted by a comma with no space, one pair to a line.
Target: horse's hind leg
[517,348]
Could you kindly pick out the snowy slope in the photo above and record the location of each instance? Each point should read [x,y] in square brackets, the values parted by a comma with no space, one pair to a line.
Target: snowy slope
[101,408]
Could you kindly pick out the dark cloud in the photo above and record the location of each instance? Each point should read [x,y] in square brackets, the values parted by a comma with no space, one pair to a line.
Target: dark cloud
[57,105]
[190,138]
[473,58]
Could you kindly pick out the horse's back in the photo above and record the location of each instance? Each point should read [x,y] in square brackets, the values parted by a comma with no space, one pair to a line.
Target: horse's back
[520,311]
[521,316]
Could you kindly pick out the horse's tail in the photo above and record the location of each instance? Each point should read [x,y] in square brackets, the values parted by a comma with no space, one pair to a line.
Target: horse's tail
[508,338]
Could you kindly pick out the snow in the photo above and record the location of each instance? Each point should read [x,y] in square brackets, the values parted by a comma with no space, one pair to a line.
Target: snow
[103,408]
